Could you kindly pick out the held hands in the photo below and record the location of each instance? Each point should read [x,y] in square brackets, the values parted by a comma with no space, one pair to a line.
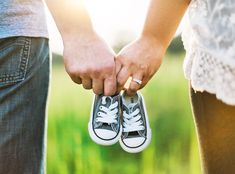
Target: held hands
[90,62]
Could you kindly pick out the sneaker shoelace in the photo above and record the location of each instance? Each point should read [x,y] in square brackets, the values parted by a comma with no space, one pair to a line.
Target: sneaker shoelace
[132,121]
[107,114]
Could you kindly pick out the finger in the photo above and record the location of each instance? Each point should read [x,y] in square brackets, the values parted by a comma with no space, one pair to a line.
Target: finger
[98,86]
[134,86]
[77,80]
[118,66]
[110,85]
[122,77]
[86,83]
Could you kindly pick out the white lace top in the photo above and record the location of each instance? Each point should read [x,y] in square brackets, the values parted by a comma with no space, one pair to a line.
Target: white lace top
[209,40]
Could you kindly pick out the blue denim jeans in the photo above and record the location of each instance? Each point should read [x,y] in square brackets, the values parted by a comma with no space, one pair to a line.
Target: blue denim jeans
[24,81]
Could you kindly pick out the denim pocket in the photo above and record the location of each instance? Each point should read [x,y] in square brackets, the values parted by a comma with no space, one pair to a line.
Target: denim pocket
[14,55]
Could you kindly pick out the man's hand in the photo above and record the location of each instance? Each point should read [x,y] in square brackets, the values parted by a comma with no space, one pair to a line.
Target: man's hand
[90,62]
[139,60]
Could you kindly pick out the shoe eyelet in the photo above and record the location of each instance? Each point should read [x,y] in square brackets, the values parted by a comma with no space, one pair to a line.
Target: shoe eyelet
[101,107]
[98,113]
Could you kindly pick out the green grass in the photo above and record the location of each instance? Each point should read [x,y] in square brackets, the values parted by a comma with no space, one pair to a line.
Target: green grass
[173,149]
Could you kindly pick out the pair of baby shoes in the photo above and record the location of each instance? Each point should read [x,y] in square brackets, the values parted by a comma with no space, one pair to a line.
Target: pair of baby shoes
[120,118]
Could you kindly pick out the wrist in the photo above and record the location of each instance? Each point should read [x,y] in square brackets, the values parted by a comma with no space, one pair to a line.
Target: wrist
[79,31]
[154,42]
[159,40]
[83,36]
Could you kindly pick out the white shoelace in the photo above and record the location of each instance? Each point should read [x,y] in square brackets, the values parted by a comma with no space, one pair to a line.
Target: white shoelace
[108,114]
[132,121]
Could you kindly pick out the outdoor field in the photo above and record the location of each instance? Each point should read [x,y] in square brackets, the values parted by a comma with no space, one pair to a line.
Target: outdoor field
[173,149]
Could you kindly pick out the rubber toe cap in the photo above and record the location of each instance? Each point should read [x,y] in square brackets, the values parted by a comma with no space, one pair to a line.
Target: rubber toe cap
[105,134]
[134,142]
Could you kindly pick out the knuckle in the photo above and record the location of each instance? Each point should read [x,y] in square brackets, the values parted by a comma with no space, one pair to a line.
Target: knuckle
[97,92]
[86,87]
[109,92]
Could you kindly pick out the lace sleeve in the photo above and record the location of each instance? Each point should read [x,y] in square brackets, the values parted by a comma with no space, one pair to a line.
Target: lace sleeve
[209,40]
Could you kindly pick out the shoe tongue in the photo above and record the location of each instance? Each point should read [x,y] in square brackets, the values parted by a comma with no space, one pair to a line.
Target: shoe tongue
[132,106]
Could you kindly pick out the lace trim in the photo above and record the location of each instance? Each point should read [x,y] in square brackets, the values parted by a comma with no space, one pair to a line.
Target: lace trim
[208,73]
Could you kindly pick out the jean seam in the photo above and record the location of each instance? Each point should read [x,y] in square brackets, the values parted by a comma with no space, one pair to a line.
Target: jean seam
[19,75]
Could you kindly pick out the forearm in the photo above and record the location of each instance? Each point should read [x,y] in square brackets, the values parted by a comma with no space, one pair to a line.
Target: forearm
[88,59]
[70,16]
[163,19]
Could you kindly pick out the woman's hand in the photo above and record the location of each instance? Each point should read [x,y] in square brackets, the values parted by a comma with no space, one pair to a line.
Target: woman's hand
[90,62]
[139,60]
[142,58]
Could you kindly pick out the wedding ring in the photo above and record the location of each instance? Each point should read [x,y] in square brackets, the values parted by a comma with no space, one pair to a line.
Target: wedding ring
[139,82]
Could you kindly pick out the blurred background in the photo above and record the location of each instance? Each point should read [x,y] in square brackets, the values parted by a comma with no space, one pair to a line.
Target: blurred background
[173,149]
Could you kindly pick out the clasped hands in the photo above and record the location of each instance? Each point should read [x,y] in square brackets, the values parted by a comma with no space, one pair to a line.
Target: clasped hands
[91,62]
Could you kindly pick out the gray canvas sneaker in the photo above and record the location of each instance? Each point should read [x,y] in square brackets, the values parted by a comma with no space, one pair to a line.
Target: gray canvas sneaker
[104,125]
[136,134]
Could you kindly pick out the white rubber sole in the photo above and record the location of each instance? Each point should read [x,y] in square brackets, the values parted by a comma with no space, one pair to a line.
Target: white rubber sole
[98,140]
[149,135]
